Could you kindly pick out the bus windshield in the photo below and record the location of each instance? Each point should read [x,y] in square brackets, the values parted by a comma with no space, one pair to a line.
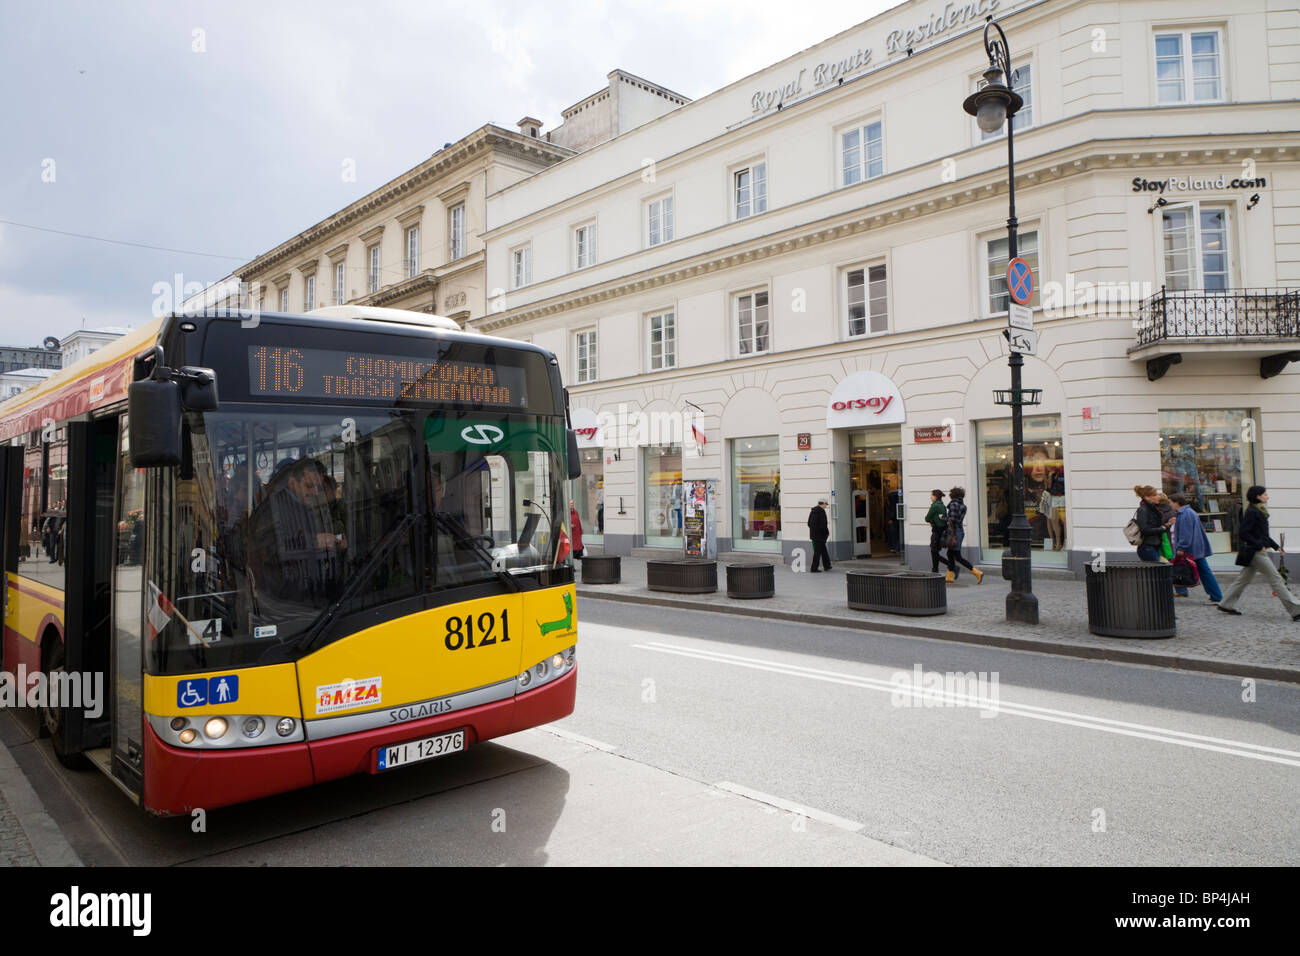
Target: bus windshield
[292,518]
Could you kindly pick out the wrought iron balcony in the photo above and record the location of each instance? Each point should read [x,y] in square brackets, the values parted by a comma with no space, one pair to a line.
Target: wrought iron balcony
[1170,323]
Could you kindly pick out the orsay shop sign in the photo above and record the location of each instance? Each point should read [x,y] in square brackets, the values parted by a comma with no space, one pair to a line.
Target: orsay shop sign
[941,20]
[864,399]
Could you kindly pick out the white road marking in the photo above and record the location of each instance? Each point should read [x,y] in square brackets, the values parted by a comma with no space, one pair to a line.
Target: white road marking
[1161,734]
[579,739]
[790,806]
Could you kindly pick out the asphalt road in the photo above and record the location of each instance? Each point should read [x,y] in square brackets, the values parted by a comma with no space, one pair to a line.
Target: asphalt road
[706,738]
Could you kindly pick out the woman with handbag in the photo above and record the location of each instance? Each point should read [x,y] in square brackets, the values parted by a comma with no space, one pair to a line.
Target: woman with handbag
[1150,522]
[1193,545]
[1251,558]
[955,534]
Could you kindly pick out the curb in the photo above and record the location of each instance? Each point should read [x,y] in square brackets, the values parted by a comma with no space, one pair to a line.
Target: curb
[46,839]
[1204,665]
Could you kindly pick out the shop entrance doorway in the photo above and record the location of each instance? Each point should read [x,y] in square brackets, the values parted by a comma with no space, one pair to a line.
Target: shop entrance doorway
[876,479]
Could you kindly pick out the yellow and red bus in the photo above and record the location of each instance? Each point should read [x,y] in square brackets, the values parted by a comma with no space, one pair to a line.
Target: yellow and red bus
[289,548]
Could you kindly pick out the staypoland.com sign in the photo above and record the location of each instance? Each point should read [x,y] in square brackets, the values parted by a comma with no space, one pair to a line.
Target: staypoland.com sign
[865,399]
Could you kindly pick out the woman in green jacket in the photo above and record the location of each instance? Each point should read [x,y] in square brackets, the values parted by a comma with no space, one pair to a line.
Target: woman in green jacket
[937,519]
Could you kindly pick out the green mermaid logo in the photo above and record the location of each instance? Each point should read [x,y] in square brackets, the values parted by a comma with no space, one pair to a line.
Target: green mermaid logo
[563,624]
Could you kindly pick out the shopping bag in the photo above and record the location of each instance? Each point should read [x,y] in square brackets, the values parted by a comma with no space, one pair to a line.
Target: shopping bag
[1166,549]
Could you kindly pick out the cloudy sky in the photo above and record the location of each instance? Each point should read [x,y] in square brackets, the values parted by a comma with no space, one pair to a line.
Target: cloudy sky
[216,130]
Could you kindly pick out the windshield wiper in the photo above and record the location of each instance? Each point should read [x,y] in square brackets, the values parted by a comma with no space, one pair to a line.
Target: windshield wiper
[361,577]
[460,535]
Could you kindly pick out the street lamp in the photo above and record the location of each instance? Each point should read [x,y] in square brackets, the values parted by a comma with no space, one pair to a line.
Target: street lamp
[993,104]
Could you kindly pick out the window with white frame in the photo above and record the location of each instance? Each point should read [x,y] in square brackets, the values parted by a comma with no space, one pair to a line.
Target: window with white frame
[284,300]
[1189,66]
[309,294]
[1194,242]
[521,266]
[456,231]
[1022,82]
[584,245]
[752,323]
[585,343]
[867,300]
[750,190]
[659,220]
[862,153]
[996,259]
[663,340]
[340,280]
[372,278]
[412,251]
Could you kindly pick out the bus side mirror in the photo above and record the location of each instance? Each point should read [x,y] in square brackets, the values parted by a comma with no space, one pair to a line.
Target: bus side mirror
[198,389]
[154,417]
[575,459]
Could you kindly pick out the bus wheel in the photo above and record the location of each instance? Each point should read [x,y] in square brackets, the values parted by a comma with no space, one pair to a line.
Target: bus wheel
[53,718]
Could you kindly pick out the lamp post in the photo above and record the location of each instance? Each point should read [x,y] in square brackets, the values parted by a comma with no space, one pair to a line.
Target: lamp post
[992,105]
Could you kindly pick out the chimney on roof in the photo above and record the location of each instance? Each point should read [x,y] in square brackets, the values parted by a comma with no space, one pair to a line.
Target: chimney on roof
[530,126]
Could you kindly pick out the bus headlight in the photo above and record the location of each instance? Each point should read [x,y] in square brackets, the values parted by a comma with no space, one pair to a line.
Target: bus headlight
[285,726]
[215,728]
[187,736]
[525,678]
[178,723]
[253,727]
[557,661]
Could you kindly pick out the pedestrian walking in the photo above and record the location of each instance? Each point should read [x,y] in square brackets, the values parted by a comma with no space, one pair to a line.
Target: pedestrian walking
[1150,523]
[955,534]
[819,530]
[1255,540]
[1191,541]
[937,519]
[576,523]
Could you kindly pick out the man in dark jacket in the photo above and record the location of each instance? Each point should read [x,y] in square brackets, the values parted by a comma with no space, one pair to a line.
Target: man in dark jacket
[1251,558]
[819,530]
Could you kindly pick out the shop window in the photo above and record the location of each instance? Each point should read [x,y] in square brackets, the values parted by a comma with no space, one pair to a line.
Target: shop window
[1208,456]
[996,256]
[589,494]
[1194,243]
[663,496]
[756,493]
[1045,486]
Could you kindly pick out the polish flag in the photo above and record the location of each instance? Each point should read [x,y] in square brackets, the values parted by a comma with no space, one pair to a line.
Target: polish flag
[160,611]
[698,433]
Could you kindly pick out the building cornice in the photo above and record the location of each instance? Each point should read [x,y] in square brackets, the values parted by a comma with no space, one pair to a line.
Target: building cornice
[481,142]
[1077,160]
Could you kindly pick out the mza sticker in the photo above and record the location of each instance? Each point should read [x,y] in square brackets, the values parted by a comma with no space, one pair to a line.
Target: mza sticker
[349,693]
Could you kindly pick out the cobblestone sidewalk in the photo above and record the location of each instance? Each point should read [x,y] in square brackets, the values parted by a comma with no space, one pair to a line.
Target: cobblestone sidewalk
[1262,643]
[15,848]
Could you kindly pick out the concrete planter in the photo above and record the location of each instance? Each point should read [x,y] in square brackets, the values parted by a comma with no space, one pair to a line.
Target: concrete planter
[682,577]
[1131,599]
[750,580]
[602,569]
[915,593]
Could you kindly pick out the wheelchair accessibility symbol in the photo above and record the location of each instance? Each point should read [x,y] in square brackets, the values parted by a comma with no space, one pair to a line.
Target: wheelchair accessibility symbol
[222,689]
[192,693]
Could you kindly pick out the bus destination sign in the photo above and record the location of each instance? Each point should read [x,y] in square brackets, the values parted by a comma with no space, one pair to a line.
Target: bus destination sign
[289,372]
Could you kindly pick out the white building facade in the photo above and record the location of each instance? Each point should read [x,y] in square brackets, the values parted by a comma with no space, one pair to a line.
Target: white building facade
[810,263]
